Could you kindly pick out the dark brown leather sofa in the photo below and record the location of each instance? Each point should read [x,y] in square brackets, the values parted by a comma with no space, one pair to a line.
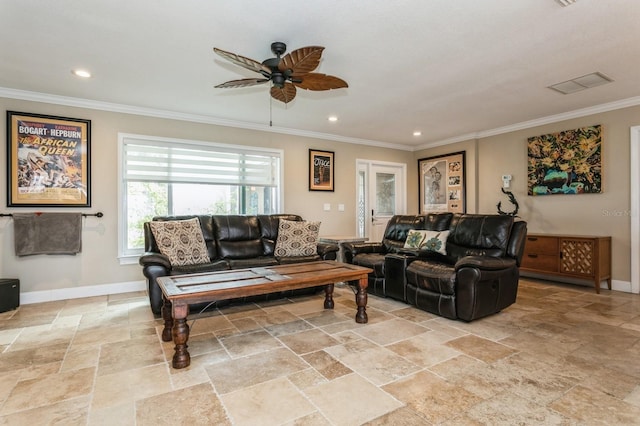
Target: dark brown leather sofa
[478,276]
[372,254]
[233,242]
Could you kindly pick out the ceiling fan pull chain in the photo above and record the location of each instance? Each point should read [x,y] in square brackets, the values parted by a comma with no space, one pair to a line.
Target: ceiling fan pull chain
[270,111]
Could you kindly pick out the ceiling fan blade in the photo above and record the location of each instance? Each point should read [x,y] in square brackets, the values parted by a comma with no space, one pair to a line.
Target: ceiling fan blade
[245,82]
[301,61]
[284,94]
[244,62]
[316,81]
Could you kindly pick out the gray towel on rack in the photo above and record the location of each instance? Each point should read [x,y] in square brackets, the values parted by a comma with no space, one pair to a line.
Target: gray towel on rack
[47,233]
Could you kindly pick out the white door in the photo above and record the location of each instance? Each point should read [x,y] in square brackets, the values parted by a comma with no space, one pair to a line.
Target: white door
[381,195]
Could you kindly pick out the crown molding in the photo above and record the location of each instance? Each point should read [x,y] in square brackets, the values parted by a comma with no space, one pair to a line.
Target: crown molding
[583,112]
[195,118]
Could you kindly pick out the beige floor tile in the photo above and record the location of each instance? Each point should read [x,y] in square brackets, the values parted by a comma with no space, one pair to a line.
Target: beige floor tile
[229,376]
[561,355]
[379,365]
[308,341]
[314,419]
[326,365]
[70,412]
[480,348]
[196,405]
[422,351]
[507,409]
[432,397]
[129,354]
[351,400]
[120,415]
[391,331]
[401,416]
[270,403]
[304,379]
[112,390]
[48,390]
[15,360]
[589,406]
[244,344]
[34,337]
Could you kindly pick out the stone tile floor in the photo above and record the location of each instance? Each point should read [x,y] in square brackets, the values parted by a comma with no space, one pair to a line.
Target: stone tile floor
[561,355]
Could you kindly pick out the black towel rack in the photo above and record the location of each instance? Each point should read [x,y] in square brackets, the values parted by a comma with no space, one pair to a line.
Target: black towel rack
[99,214]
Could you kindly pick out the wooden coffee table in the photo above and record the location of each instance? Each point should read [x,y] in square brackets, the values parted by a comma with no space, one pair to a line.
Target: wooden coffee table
[179,291]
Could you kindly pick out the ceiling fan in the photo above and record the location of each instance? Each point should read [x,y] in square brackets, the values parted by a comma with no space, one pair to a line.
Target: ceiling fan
[284,72]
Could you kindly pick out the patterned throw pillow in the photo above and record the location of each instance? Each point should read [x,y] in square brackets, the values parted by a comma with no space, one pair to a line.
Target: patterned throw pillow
[297,238]
[427,240]
[181,241]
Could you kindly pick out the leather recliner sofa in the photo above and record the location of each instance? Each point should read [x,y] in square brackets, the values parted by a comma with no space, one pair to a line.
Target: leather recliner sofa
[372,254]
[233,242]
[478,276]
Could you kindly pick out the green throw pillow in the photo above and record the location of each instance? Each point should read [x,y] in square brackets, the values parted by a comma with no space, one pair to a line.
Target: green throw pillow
[427,240]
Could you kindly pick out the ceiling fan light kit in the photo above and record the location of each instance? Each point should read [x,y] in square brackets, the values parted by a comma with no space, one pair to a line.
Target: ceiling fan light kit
[284,72]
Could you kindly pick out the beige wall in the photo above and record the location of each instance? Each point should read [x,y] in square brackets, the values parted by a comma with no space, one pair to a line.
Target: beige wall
[487,159]
[98,263]
[607,213]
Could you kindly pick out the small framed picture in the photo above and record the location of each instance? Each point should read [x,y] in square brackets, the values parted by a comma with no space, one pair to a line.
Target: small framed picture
[48,161]
[321,170]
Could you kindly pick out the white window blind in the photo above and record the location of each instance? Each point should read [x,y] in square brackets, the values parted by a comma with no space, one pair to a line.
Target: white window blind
[158,161]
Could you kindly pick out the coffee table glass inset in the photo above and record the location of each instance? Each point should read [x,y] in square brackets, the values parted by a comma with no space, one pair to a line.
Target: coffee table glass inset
[179,291]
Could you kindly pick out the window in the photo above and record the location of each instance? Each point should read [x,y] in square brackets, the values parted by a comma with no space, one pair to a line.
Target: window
[160,176]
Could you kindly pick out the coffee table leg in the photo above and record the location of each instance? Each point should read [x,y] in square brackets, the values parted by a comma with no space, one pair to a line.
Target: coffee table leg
[168,320]
[361,301]
[181,357]
[328,296]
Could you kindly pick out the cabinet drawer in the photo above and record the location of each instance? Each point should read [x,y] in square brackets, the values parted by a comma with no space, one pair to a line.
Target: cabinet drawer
[540,262]
[541,245]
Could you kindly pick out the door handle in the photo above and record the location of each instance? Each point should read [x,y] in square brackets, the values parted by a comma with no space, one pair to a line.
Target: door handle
[373,219]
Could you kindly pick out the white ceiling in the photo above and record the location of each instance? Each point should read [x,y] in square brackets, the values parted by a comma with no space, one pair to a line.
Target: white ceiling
[452,69]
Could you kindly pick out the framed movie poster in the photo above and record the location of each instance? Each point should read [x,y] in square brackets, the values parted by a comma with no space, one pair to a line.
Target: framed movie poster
[321,170]
[48,161]
[442,183]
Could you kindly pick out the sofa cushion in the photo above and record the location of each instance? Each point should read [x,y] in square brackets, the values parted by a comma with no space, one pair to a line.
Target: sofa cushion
[297,238]
[431,275]
[427,240]
[238,236]
[181,241]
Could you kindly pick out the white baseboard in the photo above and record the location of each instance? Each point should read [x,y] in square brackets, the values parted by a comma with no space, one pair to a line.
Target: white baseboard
[616,285]
[79,292]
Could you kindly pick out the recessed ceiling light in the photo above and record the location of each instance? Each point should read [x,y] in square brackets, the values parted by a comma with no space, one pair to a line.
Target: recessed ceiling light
[417,133]
[81,73]
[333,118]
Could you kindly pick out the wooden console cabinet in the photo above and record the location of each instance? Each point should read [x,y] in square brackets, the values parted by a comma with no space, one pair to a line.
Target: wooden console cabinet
[576,256]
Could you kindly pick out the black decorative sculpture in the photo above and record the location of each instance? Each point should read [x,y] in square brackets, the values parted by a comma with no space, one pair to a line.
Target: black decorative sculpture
[512,200]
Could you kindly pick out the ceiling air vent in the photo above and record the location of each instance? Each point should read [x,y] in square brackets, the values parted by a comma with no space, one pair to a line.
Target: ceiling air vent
[580,83]
[565,3]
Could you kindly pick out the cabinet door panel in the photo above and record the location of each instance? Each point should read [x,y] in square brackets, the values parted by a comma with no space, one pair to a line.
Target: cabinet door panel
[577,256]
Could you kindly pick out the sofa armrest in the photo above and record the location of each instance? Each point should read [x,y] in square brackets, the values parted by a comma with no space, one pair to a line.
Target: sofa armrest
[353,249]
[152,258]
[486,263]
[328,251]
